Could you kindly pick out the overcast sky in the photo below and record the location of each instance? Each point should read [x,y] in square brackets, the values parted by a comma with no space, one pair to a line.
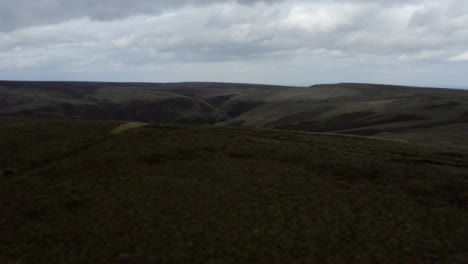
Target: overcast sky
[413,42]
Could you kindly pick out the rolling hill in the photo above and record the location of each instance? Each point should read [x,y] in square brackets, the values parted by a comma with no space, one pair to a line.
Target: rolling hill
[427,115]
[74,190]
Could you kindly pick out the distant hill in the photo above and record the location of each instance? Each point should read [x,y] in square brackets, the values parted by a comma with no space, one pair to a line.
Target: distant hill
[83,191]
[428,115]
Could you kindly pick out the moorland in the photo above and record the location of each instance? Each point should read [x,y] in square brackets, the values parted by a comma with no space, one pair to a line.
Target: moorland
[232,173]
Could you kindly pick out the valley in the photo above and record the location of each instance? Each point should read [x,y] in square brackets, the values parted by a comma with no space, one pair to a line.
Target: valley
[420,115]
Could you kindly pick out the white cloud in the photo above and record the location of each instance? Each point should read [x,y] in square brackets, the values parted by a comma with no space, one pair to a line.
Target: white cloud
[124,42]
[320,18]
[460,57]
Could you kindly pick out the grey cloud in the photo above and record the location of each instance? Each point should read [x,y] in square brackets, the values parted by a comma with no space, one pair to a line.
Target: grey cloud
[204,36]
[23,13]
[244,31]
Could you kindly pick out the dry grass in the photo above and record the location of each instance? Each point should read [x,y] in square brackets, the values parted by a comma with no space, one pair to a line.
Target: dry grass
[71,192]
[128,126]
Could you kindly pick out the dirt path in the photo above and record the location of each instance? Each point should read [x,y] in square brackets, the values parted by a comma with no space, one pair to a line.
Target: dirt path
[127,126]
[117,130]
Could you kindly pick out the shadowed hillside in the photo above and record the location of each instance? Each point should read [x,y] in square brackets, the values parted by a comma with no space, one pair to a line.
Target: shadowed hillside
[427,115]
[111,192]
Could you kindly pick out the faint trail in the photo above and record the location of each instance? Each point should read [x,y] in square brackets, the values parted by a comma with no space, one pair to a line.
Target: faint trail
[127,126]
[14,125]
[22,124]
[84,147]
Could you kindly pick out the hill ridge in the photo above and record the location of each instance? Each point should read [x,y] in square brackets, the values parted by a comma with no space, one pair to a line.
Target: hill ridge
[427,115]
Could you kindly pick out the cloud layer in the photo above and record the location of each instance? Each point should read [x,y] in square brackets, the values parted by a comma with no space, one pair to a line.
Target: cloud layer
[296,42]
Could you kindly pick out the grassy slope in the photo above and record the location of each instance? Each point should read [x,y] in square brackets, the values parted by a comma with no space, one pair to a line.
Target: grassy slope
[362,109]
[172,193]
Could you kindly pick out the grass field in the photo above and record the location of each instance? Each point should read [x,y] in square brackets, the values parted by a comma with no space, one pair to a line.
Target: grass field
[72,191]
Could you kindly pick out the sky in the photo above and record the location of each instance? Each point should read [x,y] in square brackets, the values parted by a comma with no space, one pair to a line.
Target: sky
[411,42]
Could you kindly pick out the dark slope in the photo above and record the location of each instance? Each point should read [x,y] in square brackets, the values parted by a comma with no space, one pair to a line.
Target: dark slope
[122,101]
[195,103]
[177,194]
